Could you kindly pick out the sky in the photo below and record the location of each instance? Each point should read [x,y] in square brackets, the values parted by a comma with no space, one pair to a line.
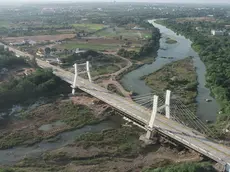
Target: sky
[154,1]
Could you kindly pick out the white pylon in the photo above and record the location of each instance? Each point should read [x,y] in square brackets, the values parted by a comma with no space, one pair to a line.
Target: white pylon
[88,71]
[75,78]
[167,104]
[153,117]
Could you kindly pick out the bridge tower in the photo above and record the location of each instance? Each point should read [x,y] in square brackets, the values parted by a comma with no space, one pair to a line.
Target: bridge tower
[77,72]
[167,104]
[75,78]
[88,71]
[150,127]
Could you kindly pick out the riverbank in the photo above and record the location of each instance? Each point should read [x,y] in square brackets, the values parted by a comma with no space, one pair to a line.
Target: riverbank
[179,77]
[170,53]
[46,121]
[109,150]
[216,79]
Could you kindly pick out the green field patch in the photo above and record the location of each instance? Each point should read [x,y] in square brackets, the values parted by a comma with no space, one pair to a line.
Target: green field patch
[88,27]
[89,46]
[108,69]
[4,24]
[122,33]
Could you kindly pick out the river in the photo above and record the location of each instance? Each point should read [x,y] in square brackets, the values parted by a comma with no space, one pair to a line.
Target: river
[131,81]
[13,155]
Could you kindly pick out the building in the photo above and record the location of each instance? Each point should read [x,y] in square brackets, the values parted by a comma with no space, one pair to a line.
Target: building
[217,32]
[138,28]
[77,51]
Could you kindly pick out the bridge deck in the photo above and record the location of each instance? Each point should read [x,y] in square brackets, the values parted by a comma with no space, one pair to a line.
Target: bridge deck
[183,134]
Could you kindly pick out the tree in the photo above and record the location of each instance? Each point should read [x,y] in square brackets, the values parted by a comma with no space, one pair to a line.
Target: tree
[53,49]
[47,50]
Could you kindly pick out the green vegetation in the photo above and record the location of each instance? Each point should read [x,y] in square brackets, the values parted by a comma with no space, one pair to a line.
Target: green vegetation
[39,84]
[184,167]
[9,170]
[122,32]
[74,116]
[88,27]
[4,24]
[170,41]
[9,60]
[102,63]
[121,142]
[214,52]
[179,76]
[107,69]
[77,115]
[148,48]
[89,46]
[13,139]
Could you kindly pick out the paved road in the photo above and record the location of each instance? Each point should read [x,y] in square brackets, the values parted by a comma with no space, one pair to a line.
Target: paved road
[183,134]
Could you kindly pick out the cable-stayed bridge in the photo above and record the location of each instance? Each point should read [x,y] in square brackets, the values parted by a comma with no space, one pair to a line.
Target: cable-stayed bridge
[162,113]
[178,122]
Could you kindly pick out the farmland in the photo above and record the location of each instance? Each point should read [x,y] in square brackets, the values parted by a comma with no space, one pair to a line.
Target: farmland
[110,39]
[90,44]
[38,38]
[125,33]
[88,27]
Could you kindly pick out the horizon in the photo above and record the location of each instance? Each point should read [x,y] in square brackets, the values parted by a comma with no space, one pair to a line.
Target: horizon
[12,2]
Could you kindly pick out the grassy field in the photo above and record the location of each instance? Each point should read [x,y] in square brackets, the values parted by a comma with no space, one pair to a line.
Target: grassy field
[87,46]
[104,70]
[88,27]
[4,24]
[126,34]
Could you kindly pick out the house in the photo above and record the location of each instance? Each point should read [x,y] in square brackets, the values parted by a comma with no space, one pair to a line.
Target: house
[227,26]
[217,32]
[77,51]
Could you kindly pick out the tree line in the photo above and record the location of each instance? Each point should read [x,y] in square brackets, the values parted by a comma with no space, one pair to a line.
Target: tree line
[8,59]
[42,83]
[215,53]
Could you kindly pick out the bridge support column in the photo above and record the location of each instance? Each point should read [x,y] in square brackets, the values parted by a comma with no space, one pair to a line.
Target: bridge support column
[75,79]
[152,119]
[167,104]
[88,71]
